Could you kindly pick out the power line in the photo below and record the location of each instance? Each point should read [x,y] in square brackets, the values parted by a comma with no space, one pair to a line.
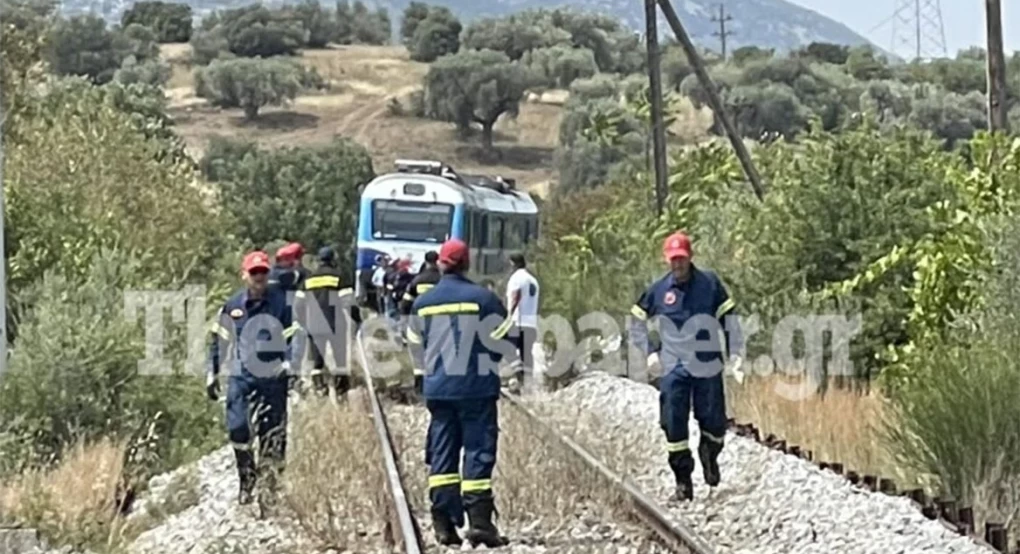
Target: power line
[722,33]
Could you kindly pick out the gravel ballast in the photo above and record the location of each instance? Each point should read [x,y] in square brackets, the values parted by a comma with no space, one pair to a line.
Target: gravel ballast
[768,502]
[548,501]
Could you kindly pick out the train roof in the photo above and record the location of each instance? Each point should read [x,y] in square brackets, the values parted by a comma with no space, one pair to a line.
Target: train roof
[491,193]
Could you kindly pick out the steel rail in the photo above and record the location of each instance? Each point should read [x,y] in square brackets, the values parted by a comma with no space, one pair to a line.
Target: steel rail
[410,534]
[677,537]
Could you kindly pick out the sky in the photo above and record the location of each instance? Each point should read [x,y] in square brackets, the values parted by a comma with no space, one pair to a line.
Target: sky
[963,21]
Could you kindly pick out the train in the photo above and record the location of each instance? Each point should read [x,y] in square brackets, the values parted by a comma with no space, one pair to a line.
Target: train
[422,203]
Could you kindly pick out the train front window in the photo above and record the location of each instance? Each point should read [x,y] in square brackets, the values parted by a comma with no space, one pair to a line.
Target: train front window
[411,221]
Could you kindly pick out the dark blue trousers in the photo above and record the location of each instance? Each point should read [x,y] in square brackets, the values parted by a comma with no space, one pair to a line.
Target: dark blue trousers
[678,392]
[262,402]
[471,425]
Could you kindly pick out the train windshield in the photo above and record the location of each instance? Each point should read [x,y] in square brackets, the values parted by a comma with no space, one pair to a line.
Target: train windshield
[411,221]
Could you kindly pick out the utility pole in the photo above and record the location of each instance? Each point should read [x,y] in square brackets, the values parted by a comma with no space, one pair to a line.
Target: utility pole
[4,331]
[655,91]
[722,33]
[996,58]
[713,96]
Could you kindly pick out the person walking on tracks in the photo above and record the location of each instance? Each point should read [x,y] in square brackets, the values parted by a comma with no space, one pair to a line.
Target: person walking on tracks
[328,317]
[689,304]
[259,324]
[461,389]
[426,278]
[522,303]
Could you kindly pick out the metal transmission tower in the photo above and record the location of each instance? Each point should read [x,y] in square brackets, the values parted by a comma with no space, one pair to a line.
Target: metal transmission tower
[917,25]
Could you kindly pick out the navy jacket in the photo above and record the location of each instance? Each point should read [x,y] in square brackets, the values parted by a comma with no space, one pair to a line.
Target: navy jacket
[457,331]
[289,279]
[693,322]
[423,281]
[259,334]
[322,292]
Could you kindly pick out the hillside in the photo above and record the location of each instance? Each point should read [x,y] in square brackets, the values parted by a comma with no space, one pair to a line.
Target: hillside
[767,23]
[365,82]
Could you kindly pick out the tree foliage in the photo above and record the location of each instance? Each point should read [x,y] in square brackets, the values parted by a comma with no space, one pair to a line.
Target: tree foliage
[305,194]
[248,83]
[475,87]
[84,46]
[434,36]
[559,66]
[170,21]
[614,47]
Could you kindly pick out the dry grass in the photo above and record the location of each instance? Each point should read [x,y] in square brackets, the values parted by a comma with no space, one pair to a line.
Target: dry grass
[540,487]
[364,80]
[74,502]
[839,426]
[540,479]
[334,484]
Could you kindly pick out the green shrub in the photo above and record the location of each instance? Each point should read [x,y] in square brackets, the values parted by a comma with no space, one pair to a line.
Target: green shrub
[73,376]
[307,194]
[955,422]
[119,190]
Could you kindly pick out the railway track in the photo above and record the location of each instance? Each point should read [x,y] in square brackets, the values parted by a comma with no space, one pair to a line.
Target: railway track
[661,532]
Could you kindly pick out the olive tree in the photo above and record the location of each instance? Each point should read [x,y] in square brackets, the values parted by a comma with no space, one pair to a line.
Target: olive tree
[475,86]
[248,83]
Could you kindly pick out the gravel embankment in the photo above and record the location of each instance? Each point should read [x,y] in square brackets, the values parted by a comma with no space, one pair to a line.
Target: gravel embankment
[548,502]
[767,503]
[324,508]
[216,523]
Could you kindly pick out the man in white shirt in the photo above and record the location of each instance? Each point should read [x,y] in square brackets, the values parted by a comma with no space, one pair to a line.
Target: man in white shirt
[522,305]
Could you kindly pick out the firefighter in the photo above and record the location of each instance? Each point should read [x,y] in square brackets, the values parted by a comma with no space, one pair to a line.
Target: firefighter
[330,311]
[691,306]
[426,278]
[458,329]
[288,272]
[257,324]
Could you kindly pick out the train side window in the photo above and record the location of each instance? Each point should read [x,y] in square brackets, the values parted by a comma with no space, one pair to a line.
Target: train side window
[512,233]
[495,229]
[468,226]
[483,230]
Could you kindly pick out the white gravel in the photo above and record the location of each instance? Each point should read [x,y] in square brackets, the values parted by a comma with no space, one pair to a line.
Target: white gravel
[768,502]
[217,523]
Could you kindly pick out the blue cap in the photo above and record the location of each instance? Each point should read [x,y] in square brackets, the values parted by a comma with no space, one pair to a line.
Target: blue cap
[326,254]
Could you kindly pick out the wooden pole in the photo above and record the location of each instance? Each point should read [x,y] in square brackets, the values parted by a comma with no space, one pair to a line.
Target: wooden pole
[997,117]
[655,91]
[713,97]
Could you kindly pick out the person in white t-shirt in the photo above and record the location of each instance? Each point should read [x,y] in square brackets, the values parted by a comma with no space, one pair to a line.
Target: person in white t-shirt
[522,305]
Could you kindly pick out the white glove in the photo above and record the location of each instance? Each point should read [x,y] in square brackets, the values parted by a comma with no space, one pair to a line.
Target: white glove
[654,362]
[734,366]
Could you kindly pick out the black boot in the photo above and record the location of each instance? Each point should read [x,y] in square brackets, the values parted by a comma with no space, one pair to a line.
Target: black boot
[684,487]
[481,530]
[342,384]
[446,531]
[682,465]
[708,453]
[246,475]
[319,384]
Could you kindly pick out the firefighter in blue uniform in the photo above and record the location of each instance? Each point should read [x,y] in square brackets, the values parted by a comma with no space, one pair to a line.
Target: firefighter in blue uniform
[288,272]
[461,390]
[694,312]
[257,324]
[427,277]
[328,316]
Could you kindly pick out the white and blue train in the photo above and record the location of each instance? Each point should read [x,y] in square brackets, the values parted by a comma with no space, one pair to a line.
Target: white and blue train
[415,209]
